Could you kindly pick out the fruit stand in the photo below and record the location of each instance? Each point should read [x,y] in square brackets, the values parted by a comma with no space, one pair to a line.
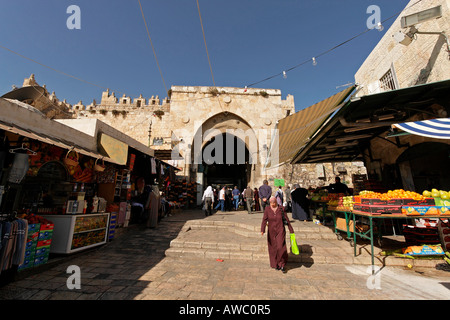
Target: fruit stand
[375,208]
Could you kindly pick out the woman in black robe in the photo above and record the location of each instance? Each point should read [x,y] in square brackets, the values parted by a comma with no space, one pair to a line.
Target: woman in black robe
[276,234]
[256,199]
[300,203]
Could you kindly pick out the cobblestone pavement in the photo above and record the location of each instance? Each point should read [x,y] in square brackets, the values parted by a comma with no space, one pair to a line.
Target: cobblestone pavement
[134,267]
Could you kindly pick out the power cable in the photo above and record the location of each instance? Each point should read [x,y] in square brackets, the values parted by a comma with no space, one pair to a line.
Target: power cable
[204,40]
[53,69]
[207,53]
[151,43]
[327,51]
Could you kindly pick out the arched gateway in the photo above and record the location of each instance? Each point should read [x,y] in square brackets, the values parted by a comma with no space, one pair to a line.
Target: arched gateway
[225,151]
[225,136]
[194,122]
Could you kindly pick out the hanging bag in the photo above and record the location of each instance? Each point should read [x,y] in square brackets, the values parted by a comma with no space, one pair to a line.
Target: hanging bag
[294,246]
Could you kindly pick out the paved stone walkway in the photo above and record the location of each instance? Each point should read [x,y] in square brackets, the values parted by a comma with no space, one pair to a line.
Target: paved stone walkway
[134,267]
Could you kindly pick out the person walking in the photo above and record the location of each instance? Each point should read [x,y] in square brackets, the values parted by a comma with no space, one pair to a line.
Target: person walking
[256,198]
[265,192]
[287,197]
[139,202]
[221,202]
[208,199]
[235,194]
[248,196]
[279,196]
[228,198]
[276,234]
[300,203]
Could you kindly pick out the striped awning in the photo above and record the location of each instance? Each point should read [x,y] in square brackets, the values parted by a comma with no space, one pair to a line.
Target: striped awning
[436,128]
[293,132]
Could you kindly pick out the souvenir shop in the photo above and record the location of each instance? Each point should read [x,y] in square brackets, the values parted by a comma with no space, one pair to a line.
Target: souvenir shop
[63,191]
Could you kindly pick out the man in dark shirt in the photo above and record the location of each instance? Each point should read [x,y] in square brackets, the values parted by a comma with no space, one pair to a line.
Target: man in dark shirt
[228,198]
[265,192]
[338,187]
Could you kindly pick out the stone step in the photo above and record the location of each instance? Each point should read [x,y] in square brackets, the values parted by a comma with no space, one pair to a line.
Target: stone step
[301,230]
[306,258]
[209,241]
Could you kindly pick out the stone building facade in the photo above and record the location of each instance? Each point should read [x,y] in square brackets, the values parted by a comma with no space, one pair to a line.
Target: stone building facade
[196,114]
[404,58]
[181,127]
[410,55]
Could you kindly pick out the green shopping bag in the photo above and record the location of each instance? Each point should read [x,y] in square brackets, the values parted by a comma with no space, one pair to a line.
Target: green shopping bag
[294,247]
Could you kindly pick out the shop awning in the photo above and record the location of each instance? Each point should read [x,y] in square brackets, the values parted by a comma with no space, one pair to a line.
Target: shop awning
[167,154]
[436,128]
[21,119]
[108,140]
[293,132]
[113,148]
[9,127]
[25,93]
[349,131]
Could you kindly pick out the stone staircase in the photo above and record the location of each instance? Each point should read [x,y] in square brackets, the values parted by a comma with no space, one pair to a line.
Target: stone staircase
[239,238]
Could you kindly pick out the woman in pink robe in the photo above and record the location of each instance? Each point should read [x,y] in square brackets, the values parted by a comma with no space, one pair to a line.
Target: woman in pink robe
[276,234]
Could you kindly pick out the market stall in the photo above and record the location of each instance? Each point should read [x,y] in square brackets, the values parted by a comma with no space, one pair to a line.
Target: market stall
[68,186]
[402,138]
[366,213]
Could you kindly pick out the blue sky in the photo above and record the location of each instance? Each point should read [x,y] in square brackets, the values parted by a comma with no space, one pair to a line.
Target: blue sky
[248,40]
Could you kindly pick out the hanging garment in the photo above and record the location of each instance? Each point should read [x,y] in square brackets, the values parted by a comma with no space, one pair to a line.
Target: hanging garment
[21,241]
[153,163]
[153,208]
[13,243]
[19,168]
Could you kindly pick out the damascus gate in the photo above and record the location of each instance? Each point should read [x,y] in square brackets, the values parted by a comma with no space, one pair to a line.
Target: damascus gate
[214,135]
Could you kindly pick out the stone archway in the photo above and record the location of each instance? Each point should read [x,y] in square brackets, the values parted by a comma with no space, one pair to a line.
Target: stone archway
[225,143]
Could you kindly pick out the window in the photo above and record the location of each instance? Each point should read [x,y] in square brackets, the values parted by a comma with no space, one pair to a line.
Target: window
[387,82]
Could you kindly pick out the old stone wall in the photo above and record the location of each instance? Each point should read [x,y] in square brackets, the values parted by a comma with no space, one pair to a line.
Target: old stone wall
[194,111]
[319,175]
[424,60]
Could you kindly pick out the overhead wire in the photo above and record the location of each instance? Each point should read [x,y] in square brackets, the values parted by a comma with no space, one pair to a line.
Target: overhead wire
[151,43]
[327,51]
[53,69]
[206,48]
[204,40]
[209,61]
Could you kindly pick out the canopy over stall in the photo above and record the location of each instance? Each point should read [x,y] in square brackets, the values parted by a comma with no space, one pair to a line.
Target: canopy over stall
[348,133]
[90,137]
[436,128]
[295,131]
[110,142]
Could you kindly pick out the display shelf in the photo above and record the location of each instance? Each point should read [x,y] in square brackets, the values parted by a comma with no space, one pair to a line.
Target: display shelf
[73,233]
